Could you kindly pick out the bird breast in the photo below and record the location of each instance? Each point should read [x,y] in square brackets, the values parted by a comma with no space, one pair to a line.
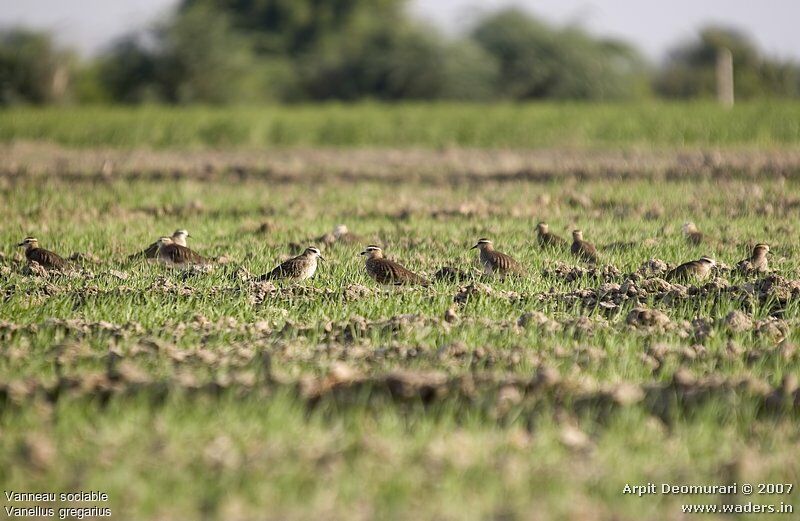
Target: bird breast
[308,268]
[487,262]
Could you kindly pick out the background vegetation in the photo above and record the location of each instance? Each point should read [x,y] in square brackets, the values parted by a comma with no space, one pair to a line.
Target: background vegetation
[244,51]
[425,125]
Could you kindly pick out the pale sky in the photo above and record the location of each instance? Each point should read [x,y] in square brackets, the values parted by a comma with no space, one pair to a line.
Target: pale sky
[652,25]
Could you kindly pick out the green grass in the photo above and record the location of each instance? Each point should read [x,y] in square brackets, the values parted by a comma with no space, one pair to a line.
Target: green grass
[255,450]
[773,124]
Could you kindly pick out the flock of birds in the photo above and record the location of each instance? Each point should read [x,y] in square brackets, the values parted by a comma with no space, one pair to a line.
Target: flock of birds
[173,251]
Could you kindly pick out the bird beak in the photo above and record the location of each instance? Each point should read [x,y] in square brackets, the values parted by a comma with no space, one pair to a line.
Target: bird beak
[189,235]
[321,257]
[363,253]
[474,247]
[20,244]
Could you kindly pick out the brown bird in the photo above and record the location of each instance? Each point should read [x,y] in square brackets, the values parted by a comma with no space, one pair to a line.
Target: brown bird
[44,258]
[582,249]
[757,262]
[692,234]
[151,252]
[697,269]
[297,268]
[385,271]
[547,239]
[177,256]
[493,261]
[342,235]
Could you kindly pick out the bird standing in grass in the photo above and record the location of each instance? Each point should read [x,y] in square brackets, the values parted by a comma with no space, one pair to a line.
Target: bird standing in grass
[757,262]
[177,256]
[297,268]
[582,249]
[698,269]
[385,271]
[44,258]
[495,262]
[547,239]
[693,236]
[343,235]
[151,252]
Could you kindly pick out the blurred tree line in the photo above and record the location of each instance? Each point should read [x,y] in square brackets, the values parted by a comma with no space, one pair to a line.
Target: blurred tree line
[239,51]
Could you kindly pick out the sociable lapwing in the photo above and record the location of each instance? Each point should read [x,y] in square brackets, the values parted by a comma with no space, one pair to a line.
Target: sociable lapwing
[385,271]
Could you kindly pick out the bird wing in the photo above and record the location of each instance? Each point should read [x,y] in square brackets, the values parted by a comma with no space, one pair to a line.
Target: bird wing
[148,253]
[507,263]
[585,250]
[682,271]
[287,268]
[402,275]
[390,272]
[182,255]
[46,259]
[351,238]
[696,238]
[551,239]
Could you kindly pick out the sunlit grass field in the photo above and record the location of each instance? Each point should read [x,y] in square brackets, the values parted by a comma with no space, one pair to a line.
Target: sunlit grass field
[762,123]
[188,395]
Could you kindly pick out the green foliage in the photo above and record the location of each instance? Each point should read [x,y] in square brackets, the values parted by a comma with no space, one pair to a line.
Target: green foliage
[220,50]
[129,72]
[539,61]
[520,125]
[380,62]
[196,58]
[292,27]
[32,70]
[470,73]
[251,51]
[690,68]
[205,61]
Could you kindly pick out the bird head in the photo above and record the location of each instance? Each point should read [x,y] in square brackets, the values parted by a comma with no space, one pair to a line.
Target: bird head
[339,230]
[29,242]
[482,244]
[542,228]
[708,260]
[577,235]
[689,227]
[372,252]
[760,249]
[313,251]
[179,236]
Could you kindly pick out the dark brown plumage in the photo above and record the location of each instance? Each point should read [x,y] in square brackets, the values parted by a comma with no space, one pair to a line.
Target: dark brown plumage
[693,236]
[297,268]
[385,271]
[495,262]
[341,234]
[175,255]
[151,252]
[44,258]
[697,269]
[757,262]
[582,249]
[547,239]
